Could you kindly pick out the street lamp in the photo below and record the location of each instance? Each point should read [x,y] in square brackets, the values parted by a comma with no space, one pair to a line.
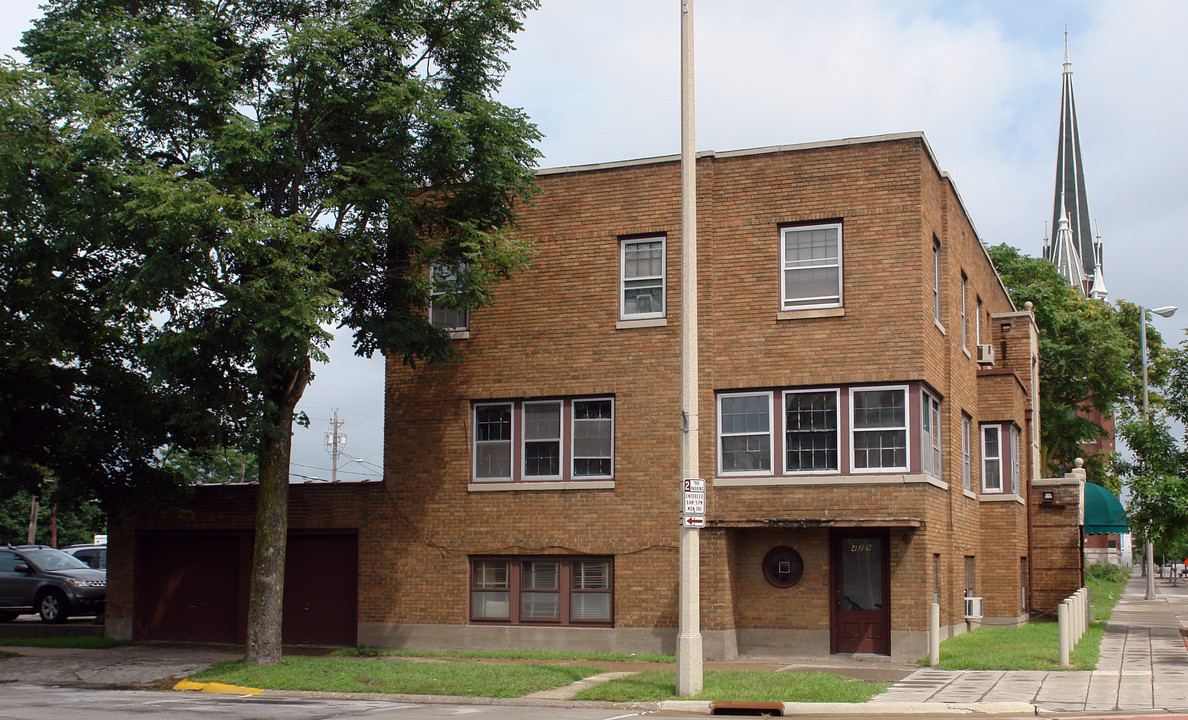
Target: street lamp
[1165,311]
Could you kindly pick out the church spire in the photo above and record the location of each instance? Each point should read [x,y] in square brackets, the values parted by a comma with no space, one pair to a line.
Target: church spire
[1070,197]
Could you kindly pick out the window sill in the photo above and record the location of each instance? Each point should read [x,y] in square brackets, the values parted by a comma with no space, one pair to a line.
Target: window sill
[1000,497]
[644,323]
[970,494]
[966,351]
[459,334]
[829,480]
[541,485]
[810,314]
[939,327]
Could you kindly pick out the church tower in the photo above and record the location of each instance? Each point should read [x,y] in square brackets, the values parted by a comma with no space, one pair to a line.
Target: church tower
[1073,249]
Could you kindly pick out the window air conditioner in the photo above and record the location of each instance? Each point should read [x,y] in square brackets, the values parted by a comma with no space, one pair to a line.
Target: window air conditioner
[986,354]
[973,608]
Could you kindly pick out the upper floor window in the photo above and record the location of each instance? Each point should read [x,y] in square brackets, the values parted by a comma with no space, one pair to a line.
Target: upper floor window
[744,433]
[964,319]
[810,266]
[966,459]
[936,280]
[555,439]
[991,458]
[930,440]
[879,428]
[642,280]
[810,431]
[443,288]
[1014,450]
[978,322]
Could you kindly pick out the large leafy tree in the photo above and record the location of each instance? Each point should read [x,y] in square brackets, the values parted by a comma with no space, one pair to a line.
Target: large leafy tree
[1087,357]
[290,165]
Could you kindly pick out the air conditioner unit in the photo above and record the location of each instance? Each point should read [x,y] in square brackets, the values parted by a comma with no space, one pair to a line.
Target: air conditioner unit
[986,354]
[973,608]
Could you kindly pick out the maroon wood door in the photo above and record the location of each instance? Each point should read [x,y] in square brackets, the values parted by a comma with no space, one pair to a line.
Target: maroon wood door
[321,580]
[861,621]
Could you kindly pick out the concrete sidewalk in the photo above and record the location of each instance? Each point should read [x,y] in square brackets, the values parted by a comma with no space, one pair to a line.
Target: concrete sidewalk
[1143,666]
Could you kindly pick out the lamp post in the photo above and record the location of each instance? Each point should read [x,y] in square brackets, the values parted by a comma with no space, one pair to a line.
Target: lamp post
[1165,311]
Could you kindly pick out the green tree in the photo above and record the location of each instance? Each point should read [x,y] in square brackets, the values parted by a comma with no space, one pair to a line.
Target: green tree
[213,465]
[77,523]
[295,164]
[1087,358]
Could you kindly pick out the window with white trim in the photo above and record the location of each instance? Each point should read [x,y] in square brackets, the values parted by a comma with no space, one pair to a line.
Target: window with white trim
[991,458]
[966,460]
[811,431]
[978,323]
[442,296]
[642,278]
[1014,448]
[744,433]
[964,319]
[551,590]
[878,429]
[553,439]
[930,436]
[810,266]
[936,274]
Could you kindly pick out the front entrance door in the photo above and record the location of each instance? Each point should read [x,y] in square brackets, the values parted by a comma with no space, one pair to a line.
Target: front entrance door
[861,620]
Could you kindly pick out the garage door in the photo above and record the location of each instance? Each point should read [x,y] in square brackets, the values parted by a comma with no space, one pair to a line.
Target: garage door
[194,587]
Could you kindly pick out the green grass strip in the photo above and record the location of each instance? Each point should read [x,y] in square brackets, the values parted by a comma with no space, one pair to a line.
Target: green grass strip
[368,675]
[1033,646]
[737,686]
[544,655]
[93,642]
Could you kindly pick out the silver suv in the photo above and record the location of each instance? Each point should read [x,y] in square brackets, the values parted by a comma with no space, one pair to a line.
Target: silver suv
[35,578]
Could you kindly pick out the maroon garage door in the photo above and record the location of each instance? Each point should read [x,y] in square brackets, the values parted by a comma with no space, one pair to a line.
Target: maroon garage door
[194,587]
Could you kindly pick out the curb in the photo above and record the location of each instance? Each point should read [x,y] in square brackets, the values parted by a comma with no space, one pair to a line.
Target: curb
[217,688]
[706,707]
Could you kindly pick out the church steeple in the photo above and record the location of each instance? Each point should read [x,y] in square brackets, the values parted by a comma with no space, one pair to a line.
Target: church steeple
[1071,203]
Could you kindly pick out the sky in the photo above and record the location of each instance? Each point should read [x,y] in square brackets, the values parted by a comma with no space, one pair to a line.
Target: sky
[980,79]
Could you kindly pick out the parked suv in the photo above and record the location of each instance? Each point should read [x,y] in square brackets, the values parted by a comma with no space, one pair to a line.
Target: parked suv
[94,556]
[49,582]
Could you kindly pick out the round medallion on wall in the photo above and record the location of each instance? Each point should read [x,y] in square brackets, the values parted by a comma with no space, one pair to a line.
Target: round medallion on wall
[782,566]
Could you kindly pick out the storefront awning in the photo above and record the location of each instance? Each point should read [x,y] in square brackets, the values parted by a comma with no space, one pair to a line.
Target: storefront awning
[1103,512]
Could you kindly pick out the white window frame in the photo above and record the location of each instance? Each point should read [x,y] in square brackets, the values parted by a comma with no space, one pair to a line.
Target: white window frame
[987,486]
[825,301]
[474,442]
[1014,448]
[905,428]
[784,430]
[936,278]
[964,318]
[435,269]
[573,420]
[623,279]
[560,439]
[978,323]
[771,446]
[966,459]
[931,460]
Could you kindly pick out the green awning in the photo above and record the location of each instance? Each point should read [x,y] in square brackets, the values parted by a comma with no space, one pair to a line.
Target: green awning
[1103,512]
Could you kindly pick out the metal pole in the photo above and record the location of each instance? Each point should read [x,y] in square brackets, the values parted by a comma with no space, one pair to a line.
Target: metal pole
[688,659]
[1150,544]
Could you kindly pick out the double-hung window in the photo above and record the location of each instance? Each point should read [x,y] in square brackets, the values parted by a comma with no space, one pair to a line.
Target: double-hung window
[966,460]
[553,590]
[642,281]
[991,458]
[810,266]
[878,427]
[930,436]
[744,433]
[810,431]
[1014,450]
[964,319]
[555,439]
[936,275]
[443,289]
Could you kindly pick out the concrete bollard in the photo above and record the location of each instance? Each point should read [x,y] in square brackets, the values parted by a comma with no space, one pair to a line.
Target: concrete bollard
[933,635]
[1062,632]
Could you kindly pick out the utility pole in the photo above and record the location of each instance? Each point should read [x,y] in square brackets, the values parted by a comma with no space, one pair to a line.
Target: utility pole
[688,659]
[335,439]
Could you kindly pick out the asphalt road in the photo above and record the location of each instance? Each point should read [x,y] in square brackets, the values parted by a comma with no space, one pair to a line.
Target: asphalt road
[31,702]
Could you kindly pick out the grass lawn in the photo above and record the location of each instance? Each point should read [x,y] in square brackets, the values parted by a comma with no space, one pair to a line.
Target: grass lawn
[736,686]
[542,655]
[1104,594]
[372,675]
[1027,647]
[85,641]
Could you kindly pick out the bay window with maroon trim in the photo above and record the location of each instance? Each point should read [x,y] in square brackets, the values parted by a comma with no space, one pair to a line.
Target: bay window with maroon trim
[548,590]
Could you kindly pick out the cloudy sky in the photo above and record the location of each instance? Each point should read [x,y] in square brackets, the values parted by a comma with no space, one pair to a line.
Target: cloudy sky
[980,79]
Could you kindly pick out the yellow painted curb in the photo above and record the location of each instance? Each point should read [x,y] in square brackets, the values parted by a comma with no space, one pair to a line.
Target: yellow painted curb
[214,687]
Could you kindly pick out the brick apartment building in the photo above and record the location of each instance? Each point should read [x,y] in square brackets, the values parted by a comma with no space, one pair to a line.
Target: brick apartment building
[869,434]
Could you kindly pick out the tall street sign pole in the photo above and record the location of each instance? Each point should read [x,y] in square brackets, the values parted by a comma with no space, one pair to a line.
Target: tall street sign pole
[688,659]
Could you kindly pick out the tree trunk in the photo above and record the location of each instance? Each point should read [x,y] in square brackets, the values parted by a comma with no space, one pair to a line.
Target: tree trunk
[266,594]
